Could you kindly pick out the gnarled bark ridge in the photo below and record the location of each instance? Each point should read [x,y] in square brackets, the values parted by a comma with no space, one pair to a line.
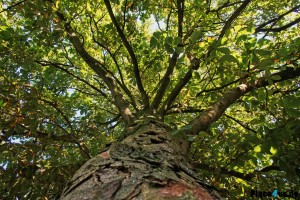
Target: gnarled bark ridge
[148,164]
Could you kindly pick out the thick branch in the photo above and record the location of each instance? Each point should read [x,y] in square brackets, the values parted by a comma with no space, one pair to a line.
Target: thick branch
[172,63]
[177,89]
[145,97]
[236,13]
[180,12]
[97,66]
[164,82]
[120,83]
[216,110]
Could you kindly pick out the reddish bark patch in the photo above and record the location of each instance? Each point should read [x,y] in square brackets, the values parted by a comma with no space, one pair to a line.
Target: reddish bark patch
[179,190]
[200,193]
[174,189]
[105,155]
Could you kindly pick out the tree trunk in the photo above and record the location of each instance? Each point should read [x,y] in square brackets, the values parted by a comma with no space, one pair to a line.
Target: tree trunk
[148,164]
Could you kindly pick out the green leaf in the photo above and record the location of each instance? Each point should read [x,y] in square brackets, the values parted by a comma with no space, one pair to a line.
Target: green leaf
[227,58]
[265,148]
[6,34]
[224,50]
[153,42]
[169,40]
[242,38]
[291,102]
[262,42]
[224,40]
[202,134]
[261,94]
[179,50]
[191,138]
[263,52]
[273,150]
[253,162]
[265,63]
[176,41]
[293,112]
[168,44]
[169,48]
[276,77]
[197,75]
[196,35]
[57,3]
[157,34]
[257,149]
[88,7]
[227,149]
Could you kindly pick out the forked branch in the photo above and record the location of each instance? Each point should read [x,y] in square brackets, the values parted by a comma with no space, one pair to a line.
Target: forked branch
[177,89]
[173,60]
[195,63]
[98,67]
[136,70]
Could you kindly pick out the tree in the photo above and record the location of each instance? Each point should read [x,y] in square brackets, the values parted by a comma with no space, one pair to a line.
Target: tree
[159,99]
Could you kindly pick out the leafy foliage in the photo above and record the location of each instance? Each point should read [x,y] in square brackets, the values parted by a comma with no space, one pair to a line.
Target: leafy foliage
[70,71]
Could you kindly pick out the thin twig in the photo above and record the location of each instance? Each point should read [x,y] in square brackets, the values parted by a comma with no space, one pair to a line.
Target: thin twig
[12,6]
[240,123]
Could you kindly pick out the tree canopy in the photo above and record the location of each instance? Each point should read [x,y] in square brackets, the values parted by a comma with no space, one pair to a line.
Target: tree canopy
[75,74]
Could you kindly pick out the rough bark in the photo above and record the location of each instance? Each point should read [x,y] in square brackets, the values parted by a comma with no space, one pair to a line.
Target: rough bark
[148,164]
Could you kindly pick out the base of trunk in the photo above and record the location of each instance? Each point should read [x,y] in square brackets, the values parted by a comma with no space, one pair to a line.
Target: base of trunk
[148,164]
